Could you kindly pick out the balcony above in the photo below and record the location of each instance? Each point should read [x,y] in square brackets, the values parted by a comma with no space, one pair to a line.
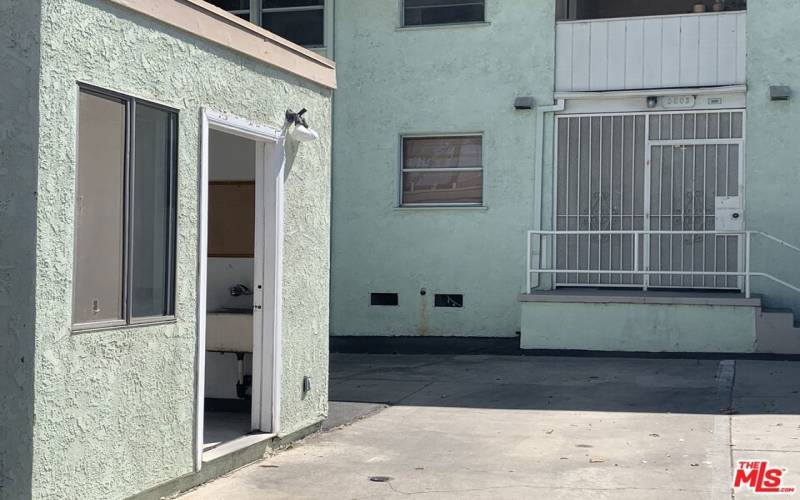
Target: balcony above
[686,50]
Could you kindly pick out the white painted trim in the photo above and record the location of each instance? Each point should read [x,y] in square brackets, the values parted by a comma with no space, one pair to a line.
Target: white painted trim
[267,345]
[648,187]
[278,168]
[202,285]
[729,89]
[257,391]
[242,127]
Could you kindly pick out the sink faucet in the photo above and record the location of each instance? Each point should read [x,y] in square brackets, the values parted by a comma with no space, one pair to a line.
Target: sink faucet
[239,290]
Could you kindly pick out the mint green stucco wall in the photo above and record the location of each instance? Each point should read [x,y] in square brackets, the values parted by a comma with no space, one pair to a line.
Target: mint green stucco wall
[773,149]
[19,121]
[451,79]
[115,410]
[638,327]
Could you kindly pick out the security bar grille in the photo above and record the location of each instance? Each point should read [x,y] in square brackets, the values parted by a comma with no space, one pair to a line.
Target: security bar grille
[676,172]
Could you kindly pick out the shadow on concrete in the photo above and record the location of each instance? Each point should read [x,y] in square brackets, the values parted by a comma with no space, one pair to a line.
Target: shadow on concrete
[509,346]
[583,384]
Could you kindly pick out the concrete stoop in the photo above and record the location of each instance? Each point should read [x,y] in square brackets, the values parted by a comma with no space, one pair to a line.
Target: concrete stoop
[777,332]
[654,321]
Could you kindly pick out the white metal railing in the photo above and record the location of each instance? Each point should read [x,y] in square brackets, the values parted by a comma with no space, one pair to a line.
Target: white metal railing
[685,50]
[639,264]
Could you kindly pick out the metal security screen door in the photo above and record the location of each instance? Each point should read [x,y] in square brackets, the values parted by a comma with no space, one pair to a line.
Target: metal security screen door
[654,173]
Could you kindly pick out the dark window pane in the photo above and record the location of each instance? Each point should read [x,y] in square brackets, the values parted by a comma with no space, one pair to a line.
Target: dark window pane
[153,212]
[240,8]
[231,4]
[97,289]
[420,12]
[273,4]
[303,27]
[442,152]
[456,187]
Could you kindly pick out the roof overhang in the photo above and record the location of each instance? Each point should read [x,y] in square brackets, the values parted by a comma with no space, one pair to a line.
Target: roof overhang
[208,22]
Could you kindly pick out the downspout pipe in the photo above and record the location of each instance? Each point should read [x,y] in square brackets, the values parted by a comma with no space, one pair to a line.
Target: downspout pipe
[538,198]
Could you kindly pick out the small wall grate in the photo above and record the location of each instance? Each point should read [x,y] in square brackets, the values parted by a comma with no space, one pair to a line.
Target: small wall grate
[448,300]
[384,299]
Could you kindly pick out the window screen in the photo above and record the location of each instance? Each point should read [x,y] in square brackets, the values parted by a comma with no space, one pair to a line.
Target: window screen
[442,170]
[421,12]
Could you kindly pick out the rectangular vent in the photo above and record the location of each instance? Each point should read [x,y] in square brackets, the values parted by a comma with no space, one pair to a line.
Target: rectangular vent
[384,299]
[448,300]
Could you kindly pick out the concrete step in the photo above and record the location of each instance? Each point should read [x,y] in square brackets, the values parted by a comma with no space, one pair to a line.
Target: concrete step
[777,332]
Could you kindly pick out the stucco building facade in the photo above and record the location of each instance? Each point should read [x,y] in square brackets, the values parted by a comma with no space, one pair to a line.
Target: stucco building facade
[112,406]
[580,161]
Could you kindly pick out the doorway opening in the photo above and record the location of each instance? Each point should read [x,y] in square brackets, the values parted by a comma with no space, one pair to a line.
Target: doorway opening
[238,366]
[230,322]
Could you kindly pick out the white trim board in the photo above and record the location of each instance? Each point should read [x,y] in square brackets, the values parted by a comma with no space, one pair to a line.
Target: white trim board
[269,168]
[636,101]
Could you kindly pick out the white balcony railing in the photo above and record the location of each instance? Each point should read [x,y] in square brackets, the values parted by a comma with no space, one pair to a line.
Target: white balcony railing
[689,50]
[545,258]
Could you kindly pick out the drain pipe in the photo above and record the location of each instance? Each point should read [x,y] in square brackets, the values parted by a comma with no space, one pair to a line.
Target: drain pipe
[541,111]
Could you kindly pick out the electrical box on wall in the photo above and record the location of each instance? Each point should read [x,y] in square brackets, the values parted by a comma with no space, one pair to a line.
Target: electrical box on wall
[728,214]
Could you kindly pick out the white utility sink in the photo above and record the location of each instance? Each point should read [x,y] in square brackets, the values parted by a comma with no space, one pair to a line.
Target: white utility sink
[230,330]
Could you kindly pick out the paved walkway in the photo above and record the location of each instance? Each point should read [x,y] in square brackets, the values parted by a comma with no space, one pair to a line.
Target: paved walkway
[513,427]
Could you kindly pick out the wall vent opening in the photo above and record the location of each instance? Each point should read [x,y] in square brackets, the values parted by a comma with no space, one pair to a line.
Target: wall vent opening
[384,299]
[448,300]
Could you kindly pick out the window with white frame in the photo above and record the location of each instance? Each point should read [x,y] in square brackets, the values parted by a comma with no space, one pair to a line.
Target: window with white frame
[125,211]
[299,21]
[442,170]
[425,12]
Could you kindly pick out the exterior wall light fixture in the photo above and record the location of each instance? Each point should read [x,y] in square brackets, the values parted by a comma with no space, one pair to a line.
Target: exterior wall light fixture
[300,131]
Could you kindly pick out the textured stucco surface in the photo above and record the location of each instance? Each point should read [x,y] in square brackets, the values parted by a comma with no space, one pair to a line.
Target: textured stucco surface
[19,65]
[115,410]
[638,327]
[451,79]
[773,151]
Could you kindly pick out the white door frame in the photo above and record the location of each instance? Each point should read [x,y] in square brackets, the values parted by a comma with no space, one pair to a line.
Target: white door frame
[268,272]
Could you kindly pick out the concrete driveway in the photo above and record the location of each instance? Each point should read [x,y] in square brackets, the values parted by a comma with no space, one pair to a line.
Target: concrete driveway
[513,427]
